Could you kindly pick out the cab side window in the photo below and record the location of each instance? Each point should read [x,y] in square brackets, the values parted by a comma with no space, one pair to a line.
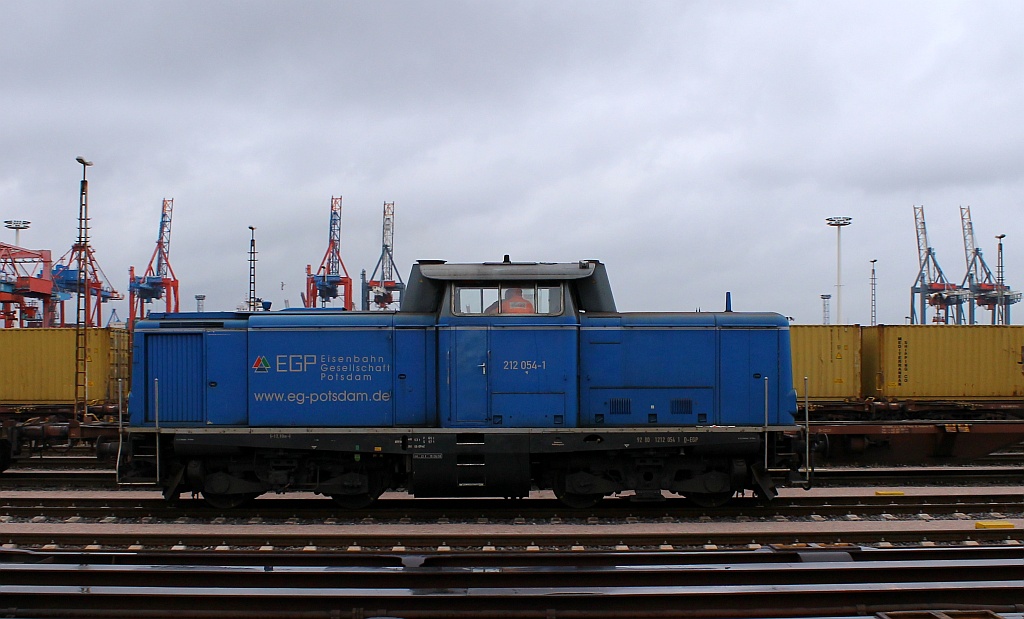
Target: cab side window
[549,300]
[474,299]
[508,298]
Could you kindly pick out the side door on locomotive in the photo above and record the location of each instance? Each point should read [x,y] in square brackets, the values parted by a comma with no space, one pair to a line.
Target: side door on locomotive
[508,352]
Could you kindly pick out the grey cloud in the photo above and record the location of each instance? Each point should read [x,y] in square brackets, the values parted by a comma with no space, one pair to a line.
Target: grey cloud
[696,148]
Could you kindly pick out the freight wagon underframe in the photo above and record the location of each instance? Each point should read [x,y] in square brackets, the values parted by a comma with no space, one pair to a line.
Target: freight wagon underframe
[906,443]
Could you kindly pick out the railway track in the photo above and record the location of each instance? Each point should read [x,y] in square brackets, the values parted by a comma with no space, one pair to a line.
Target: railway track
[59,507]
[44,474]
[75,555]
[131,522]
[58,478]
[77,461]
[463,539]
[806,582]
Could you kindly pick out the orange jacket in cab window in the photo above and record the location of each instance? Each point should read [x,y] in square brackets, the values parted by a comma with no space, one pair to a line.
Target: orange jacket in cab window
[514,302]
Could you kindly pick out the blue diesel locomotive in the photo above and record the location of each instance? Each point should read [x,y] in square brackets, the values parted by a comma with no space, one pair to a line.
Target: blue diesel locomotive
[491,380]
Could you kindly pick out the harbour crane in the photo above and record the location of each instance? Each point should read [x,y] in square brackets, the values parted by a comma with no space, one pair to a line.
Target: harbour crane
[986,290]
[931,288]
[379,291]
[95,286]
[331,279]
[26,287]
[158,281]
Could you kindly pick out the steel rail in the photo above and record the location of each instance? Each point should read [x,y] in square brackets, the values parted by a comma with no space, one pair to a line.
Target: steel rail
[750,584]
[60,506]
[776,553]
[46,476]
[461,538]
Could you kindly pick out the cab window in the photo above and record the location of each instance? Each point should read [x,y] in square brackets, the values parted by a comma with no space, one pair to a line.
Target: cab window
[508,298]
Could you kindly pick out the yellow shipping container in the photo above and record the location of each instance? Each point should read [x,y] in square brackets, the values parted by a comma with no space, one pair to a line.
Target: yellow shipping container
[37,366]
[830,357]
[947,362]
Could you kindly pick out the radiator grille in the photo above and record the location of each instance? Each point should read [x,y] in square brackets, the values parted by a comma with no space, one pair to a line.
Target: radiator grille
[682,406]
[619,406]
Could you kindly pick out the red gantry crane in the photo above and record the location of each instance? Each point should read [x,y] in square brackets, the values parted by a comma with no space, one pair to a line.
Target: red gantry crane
[26,287]
[332,274]
[95,285]
[380,291]
[158,281]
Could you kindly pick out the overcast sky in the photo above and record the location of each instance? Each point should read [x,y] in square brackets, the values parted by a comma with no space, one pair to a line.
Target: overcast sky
[695,147]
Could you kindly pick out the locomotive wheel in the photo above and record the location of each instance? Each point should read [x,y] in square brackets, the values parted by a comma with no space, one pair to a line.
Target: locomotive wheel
[5,455]
[710,499]
[353,501]
[226,501]
[377,483]
[578,501]
[573,499]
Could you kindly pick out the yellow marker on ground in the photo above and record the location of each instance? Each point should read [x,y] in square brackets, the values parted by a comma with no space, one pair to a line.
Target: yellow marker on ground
[993,524]
[888,493]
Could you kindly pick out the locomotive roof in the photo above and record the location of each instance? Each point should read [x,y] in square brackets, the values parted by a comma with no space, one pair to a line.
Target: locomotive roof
[429,278]
[505,271]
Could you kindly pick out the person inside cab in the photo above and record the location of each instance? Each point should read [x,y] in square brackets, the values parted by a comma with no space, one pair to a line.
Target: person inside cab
[514,303]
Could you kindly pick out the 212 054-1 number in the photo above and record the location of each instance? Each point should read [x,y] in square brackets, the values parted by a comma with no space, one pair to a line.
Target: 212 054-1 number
[523,365]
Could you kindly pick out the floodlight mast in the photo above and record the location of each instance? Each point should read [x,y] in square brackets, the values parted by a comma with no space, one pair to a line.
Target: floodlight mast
[874,299]
[78,272]
[17,225]
[83,244]
[82,317]
[253,300]
[838,223]
[1007,296]
[1002,309]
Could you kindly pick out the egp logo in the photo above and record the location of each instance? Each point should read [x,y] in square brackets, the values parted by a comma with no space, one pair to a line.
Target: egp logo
[284,363]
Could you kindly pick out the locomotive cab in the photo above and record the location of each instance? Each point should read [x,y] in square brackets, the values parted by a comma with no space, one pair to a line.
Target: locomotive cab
[492,379]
